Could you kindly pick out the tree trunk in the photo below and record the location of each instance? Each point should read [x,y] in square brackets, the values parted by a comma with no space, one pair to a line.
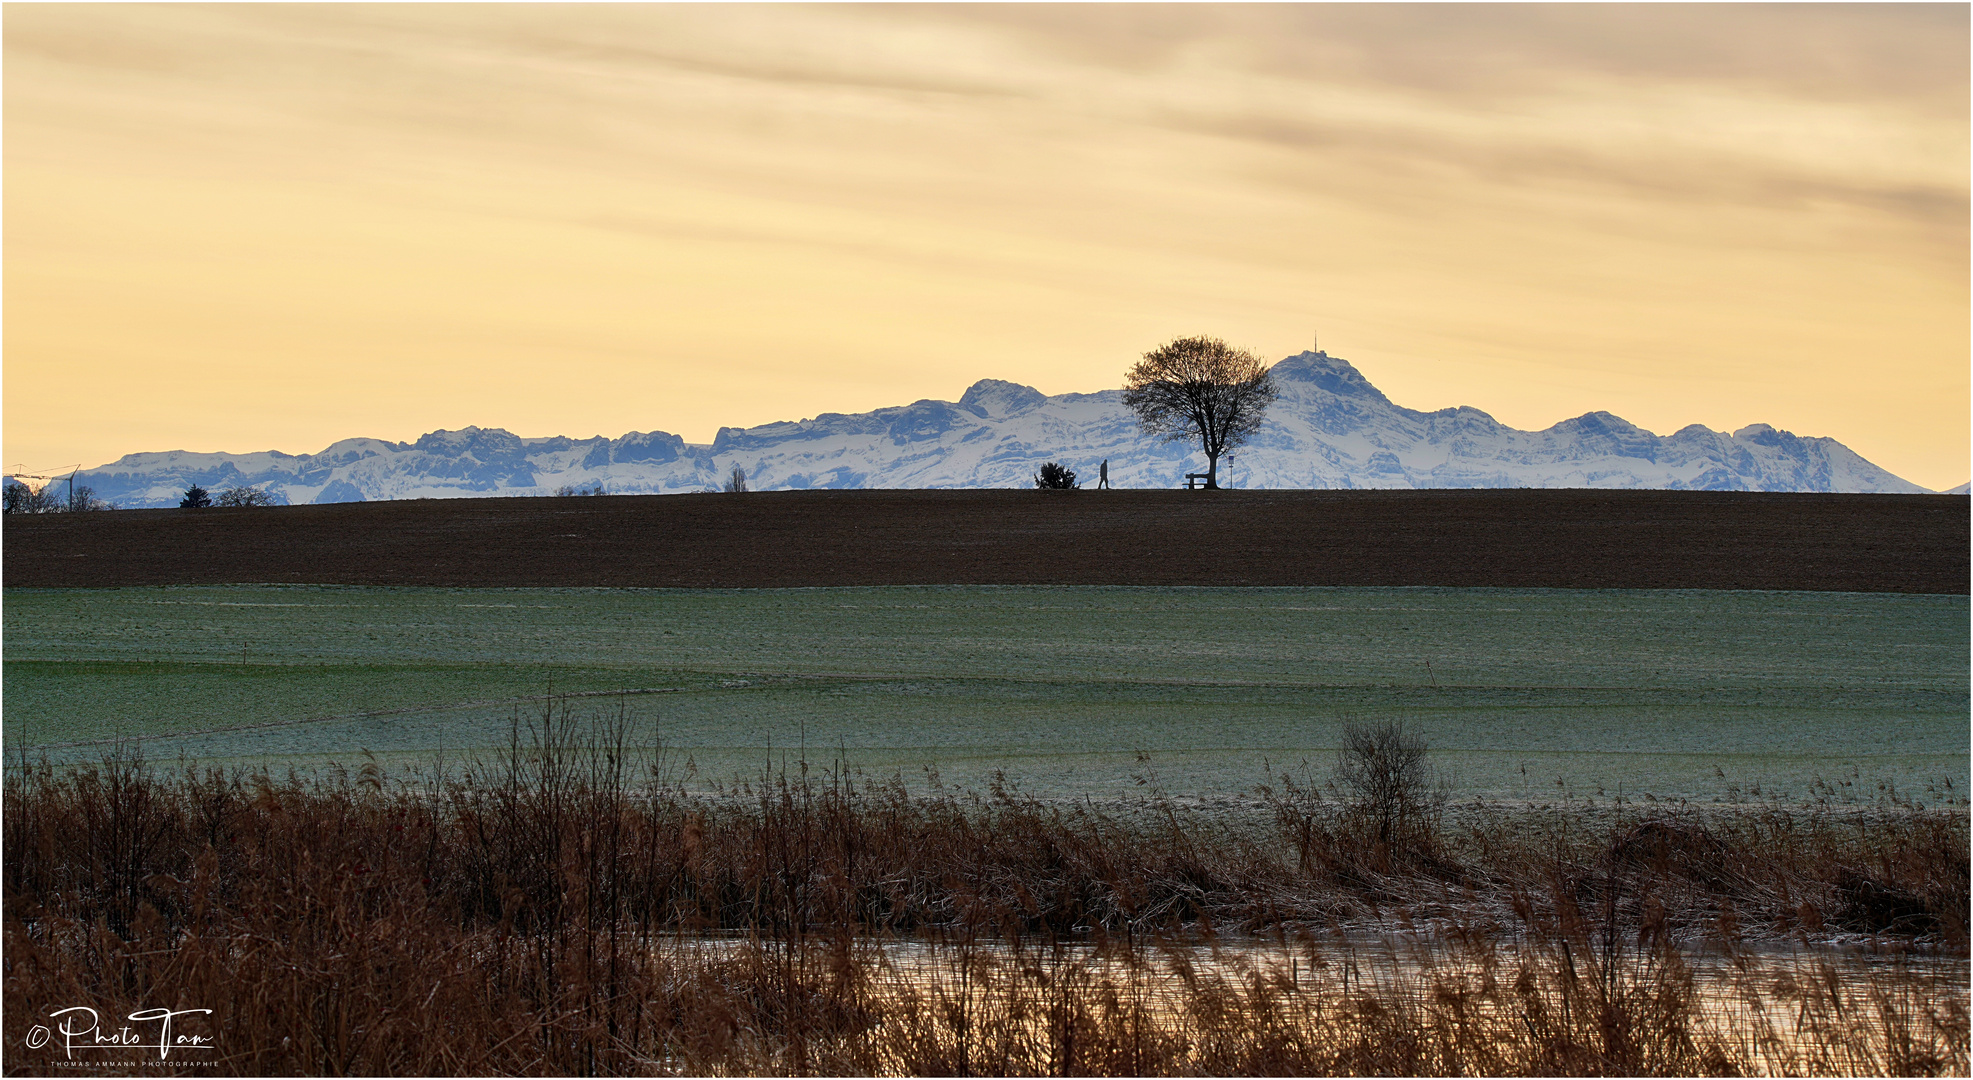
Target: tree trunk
[1212,472]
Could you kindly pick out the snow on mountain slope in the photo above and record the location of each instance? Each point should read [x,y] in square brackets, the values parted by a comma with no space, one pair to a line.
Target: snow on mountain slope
[1330,429]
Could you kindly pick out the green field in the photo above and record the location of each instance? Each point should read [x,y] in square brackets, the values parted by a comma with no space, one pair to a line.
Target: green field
[1693,694]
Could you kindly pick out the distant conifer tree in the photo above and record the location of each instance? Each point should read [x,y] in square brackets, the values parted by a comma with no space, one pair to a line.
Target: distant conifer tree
[1054,477]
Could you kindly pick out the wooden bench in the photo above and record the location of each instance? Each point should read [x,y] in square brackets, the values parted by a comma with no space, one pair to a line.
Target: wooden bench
[1196,479]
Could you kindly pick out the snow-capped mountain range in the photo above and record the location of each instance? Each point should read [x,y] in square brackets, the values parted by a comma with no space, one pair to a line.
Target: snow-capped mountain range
[1330,429]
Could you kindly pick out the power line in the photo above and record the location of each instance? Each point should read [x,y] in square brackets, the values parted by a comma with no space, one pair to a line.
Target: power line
[21,472]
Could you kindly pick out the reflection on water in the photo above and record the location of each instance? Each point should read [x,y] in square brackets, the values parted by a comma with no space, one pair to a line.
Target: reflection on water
[1767,1012]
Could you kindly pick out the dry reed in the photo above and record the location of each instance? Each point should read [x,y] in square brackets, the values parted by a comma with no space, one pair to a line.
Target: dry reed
[569,909]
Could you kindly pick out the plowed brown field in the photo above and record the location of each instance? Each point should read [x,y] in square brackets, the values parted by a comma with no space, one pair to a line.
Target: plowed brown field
[1528,538]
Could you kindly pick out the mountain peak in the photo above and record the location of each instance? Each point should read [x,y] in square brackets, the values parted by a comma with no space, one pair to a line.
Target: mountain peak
[998,399]
[1332,373]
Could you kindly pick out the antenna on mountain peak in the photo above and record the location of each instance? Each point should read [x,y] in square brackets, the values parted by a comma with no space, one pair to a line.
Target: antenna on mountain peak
[1317,341]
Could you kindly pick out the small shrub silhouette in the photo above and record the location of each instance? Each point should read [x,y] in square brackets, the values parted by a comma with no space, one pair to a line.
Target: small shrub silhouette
[1053,477]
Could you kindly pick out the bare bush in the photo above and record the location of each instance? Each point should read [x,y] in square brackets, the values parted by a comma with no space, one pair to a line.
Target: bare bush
[244,495]
[736,481]
[1388,783]
[84,500]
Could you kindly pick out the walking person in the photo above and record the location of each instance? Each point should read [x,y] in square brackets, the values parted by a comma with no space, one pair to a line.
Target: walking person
[1103,475]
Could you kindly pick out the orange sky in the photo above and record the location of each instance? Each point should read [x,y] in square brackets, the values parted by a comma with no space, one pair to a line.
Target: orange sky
[250,227]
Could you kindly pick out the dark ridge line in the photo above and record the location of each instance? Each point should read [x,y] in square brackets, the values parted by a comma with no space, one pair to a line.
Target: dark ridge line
[1510,538]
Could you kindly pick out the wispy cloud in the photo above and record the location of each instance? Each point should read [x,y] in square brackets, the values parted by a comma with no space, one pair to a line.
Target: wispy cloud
[1536,209]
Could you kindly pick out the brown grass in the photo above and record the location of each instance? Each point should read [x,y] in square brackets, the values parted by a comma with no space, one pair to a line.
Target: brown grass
[569,909]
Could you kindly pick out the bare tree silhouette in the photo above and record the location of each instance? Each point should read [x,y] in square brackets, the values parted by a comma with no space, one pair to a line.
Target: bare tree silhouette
[1200,388]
